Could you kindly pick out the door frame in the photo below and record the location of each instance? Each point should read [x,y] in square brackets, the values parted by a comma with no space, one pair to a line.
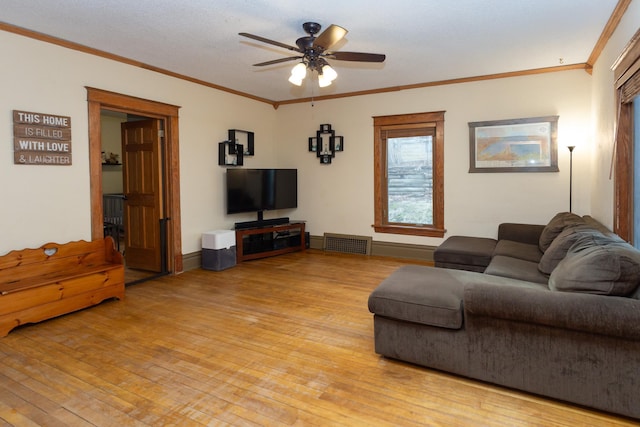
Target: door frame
[98,100]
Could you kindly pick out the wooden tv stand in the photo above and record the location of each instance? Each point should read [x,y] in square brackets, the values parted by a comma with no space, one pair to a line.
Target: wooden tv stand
[261,242]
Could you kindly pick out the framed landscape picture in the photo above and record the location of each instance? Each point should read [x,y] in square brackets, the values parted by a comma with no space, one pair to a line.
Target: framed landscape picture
[515,145]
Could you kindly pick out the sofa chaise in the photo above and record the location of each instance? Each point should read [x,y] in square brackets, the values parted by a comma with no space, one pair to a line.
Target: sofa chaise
[547,309]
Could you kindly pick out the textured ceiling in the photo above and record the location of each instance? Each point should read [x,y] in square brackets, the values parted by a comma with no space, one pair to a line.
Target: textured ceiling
[424,40]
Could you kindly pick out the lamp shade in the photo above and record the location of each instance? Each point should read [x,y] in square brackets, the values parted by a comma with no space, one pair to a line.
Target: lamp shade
[299,71]
[329,73]
[294,80]
[323,81]
[326,74]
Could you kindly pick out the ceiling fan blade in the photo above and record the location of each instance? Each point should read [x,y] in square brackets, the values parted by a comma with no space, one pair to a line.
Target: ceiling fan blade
[273,42]
[277,61]
[357,56]
[329,37]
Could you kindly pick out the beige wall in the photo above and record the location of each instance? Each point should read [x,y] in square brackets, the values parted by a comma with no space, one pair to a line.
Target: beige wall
[339,197]
[51,203]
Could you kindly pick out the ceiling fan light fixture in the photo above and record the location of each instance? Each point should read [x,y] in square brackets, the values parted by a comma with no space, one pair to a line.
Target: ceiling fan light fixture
[299,72]
[295,80]
[314,49]
[323,81]
[329,73]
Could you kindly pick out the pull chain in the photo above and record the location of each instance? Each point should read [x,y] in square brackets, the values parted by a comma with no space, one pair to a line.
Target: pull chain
[312,94]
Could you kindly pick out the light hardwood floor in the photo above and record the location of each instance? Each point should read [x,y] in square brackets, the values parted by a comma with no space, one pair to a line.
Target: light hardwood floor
[281,341]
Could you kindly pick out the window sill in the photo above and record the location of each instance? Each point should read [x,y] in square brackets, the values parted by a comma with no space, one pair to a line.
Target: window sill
[409,230]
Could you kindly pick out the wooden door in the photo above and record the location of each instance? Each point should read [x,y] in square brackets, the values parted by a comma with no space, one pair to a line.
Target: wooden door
[143,207]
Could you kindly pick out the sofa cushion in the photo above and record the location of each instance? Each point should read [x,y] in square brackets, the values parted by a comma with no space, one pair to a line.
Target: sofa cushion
[466,253]
[596,314]
[558,223]
[518,250]
[518,232]
[558,249]
[419,294]
[595,224]
[515,268]
[430,295]
[599,265]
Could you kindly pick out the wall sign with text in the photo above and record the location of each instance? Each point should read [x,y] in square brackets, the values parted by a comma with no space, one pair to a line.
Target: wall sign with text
[41,139]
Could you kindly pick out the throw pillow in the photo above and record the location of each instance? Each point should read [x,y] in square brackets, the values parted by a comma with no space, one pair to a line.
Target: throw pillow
[558,223]
[598,265]
[558,249]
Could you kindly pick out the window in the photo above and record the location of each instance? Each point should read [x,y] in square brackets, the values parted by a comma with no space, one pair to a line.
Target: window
[409,170]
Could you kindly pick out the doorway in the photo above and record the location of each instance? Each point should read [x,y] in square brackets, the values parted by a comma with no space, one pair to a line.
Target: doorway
[165,118]
[133,192]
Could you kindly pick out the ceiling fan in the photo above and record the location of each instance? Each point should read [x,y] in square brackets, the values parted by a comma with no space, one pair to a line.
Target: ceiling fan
[314,51]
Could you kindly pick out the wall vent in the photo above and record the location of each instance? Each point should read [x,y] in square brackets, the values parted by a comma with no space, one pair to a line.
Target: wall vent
[347,243]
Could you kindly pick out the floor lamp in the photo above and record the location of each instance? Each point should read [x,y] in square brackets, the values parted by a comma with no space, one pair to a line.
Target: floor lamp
[570,147]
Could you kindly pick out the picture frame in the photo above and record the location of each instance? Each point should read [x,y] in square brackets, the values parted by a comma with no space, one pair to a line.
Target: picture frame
[325,127]
[514,145]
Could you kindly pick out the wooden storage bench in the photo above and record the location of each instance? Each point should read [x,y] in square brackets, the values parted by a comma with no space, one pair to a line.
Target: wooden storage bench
[55,279]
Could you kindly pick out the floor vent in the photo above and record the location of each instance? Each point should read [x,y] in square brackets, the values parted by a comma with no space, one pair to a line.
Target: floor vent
[347,243]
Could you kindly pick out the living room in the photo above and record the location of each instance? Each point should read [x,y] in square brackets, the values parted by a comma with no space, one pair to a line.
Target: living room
[583,102]
[53,204]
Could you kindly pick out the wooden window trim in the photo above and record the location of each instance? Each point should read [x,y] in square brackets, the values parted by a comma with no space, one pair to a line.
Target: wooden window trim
[625,69]
[380,191]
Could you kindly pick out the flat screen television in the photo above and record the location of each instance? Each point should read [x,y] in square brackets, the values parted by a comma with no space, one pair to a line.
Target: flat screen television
[258,190]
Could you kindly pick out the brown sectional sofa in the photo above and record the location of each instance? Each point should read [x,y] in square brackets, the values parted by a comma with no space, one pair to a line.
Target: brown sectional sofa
[554,310]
